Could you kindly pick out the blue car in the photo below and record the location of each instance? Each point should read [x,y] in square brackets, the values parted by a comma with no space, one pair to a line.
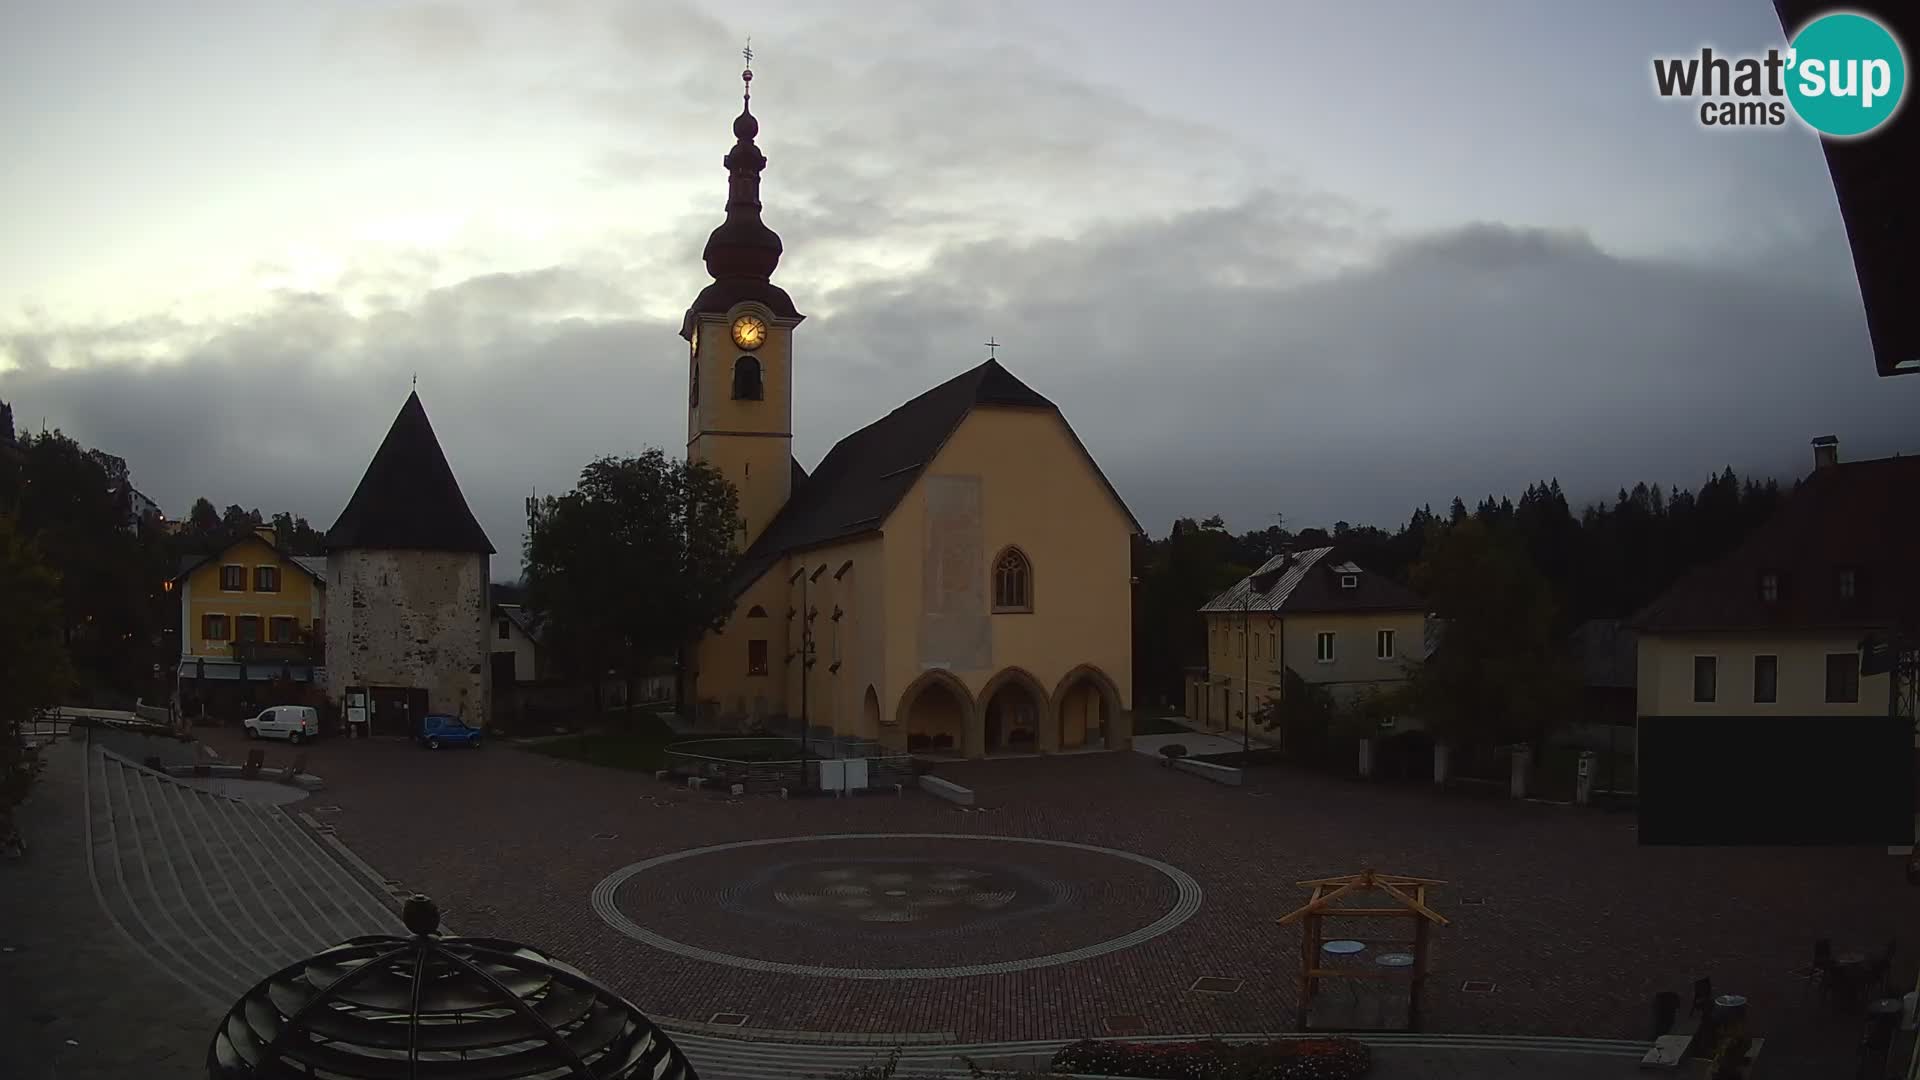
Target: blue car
[437,731]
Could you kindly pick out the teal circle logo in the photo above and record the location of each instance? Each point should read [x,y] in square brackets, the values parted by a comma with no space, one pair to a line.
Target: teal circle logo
[1847,74]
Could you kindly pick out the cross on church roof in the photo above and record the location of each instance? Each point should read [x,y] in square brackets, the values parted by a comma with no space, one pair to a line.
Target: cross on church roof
[991,346]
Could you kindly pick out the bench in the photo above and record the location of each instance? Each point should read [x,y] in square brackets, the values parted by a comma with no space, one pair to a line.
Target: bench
[299,766]
[947,789]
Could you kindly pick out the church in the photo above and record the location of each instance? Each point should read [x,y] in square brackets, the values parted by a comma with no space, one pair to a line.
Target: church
[955,578]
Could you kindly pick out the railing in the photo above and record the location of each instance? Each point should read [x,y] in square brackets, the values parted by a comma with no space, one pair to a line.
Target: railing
[883,768]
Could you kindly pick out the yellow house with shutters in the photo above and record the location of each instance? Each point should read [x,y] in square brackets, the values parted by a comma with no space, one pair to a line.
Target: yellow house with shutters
[954,578]
[249,614]
[1311,612]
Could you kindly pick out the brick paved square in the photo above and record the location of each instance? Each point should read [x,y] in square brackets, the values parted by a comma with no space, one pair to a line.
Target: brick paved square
[1581,927]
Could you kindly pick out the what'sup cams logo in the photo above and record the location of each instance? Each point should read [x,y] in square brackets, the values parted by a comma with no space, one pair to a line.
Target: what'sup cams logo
[1843,75]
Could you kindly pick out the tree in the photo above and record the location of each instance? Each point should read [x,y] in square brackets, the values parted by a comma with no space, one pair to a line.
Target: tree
[237,521]
[204,517]
[1499,674]
[109,579]
[34,670]
[633,564]
[293,535]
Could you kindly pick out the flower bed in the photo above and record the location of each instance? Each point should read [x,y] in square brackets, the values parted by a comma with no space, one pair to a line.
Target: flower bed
[1279,1059]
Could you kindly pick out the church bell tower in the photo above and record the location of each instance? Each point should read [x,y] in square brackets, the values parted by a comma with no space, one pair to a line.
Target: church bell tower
[739,334]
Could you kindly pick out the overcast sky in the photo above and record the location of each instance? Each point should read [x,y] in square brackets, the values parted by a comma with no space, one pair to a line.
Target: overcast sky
[1328,261]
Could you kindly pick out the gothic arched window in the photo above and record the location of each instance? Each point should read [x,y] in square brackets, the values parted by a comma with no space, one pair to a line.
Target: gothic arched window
[746,379]
[756,612]
[1012,581]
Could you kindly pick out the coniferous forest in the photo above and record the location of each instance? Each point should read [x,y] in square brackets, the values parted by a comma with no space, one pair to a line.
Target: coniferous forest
[1605,560]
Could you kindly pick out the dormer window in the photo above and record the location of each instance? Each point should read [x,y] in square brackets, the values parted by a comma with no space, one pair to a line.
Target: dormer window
[1349,581]
[1769,588]
[1847,583]
[746,379]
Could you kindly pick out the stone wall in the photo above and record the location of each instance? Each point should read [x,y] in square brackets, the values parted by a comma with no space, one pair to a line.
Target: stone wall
[411,619]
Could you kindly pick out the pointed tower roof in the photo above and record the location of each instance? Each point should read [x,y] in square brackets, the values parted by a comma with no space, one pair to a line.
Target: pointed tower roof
[408,498]
[742,252]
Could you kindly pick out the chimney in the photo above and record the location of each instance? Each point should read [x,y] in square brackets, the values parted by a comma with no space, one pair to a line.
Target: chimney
[1826,452]
[264,532]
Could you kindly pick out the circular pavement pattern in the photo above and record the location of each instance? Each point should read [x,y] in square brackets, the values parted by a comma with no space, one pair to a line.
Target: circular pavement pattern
[906,900]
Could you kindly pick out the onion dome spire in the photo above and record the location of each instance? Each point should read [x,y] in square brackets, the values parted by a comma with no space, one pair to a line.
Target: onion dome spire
[743,246]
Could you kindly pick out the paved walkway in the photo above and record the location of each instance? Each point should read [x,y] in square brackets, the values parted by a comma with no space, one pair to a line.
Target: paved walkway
[1396,1057]
[130,944]
[77,1000]
[1197,743]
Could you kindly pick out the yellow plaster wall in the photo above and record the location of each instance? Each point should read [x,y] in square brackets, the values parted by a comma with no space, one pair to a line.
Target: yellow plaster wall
[1039,492]
[300,597]
[1292,640]
[857,640]
[750,442]
[1665,682]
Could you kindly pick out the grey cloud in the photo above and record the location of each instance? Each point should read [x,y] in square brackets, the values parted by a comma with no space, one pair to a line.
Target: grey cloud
[1467,362]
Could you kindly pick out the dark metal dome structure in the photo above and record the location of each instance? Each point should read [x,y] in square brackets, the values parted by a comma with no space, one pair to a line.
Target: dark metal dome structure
[426,1006]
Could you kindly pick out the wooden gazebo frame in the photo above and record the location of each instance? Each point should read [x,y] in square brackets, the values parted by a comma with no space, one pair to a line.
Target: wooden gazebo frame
[1409,896]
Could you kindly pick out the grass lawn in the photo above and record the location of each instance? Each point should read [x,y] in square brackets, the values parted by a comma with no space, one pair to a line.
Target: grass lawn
[640,750]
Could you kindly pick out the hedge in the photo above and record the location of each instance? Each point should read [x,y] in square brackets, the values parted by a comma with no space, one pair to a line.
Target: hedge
[1280,1059]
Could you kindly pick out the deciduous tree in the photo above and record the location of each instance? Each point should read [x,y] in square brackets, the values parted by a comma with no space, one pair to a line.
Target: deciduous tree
[34,670]
[633,564]
[1500,674]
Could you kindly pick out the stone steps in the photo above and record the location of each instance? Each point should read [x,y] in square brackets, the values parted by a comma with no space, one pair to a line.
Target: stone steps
[218,892]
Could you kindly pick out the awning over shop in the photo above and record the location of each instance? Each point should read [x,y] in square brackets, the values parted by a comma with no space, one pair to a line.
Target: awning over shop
[228,671]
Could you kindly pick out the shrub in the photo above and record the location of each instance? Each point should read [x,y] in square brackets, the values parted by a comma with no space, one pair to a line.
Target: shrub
[1173,752]
[1279,1059]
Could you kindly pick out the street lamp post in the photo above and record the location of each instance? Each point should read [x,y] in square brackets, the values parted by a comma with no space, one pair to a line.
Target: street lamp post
[1246,670]
[806,662]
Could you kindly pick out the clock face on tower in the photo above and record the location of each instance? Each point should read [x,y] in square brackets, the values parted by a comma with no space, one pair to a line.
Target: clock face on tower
[749,332]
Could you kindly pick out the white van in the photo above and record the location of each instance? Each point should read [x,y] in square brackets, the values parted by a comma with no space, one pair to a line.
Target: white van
[294,723]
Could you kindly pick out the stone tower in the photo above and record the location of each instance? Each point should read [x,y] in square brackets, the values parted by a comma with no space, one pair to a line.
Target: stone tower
[408,589]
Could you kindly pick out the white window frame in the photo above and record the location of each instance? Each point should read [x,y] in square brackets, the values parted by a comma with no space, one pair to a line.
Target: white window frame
[293,632]
[1326,647]
[245,579]
[1386,635]
[205,615]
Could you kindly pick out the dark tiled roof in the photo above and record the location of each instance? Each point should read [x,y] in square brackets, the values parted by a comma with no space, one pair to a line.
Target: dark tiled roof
[315,567]
[866,474]
[1297,582]
[528,622]
[1606,652]
[408,498]
[1859,515]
